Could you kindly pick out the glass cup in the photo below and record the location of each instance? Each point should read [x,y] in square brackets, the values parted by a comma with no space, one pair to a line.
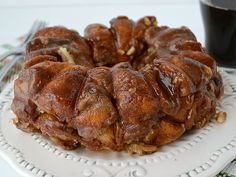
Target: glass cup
[219,19]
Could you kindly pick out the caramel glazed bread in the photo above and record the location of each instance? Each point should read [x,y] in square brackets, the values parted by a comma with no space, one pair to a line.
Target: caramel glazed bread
[134,86]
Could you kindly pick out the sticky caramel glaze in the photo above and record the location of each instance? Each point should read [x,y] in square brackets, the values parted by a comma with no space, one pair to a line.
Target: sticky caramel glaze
[48,41]
[134,86]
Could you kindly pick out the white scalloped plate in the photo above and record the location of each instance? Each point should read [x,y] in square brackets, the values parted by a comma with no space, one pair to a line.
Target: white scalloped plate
[200,153]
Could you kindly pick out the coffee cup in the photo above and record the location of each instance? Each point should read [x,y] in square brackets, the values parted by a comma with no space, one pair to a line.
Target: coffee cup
[219,19]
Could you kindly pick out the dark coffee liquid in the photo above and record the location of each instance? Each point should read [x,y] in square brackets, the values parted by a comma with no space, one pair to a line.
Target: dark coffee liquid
[219,17]
[224,4]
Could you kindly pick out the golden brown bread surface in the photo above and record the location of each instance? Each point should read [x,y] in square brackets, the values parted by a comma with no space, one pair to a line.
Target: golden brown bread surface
[134,86]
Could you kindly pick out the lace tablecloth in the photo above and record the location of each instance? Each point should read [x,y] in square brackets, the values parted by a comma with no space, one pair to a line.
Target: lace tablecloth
[228,171]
